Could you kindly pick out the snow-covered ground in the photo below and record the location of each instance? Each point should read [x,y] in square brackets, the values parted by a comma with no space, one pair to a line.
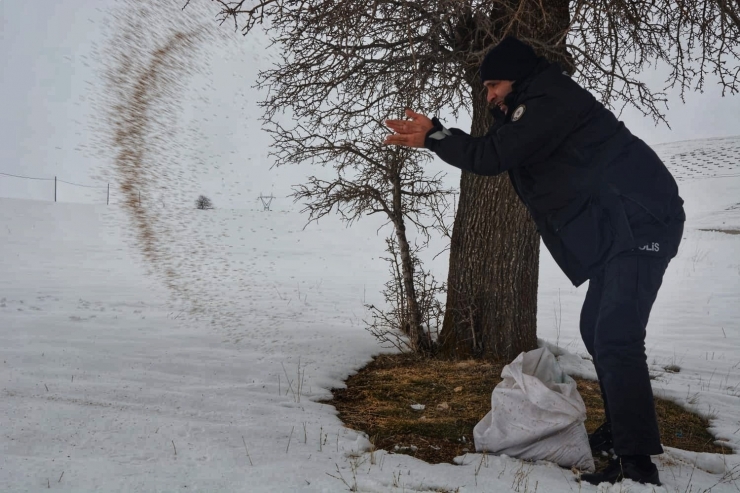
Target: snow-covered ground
[108,385]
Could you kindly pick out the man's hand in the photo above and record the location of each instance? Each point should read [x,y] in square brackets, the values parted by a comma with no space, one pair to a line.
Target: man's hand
[409,133]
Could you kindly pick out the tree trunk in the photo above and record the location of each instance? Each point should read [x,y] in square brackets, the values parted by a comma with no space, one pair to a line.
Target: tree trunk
[491,309]
[419,338]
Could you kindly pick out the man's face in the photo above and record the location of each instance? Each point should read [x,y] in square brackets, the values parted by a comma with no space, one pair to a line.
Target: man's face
[497,91]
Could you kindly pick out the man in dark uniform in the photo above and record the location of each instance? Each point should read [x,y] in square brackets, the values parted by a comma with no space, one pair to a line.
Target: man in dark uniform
[605,206]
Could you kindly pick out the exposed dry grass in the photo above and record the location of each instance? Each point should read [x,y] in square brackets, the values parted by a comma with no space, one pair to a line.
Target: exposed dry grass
[457,395]
[726,231]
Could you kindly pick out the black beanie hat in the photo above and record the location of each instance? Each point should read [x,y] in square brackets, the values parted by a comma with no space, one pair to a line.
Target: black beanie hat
[509,60]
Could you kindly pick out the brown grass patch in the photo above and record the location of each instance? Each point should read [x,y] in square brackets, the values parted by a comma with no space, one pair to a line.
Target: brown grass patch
[457,394]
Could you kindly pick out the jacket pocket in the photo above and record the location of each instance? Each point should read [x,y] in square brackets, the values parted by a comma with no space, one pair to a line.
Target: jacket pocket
[588,237]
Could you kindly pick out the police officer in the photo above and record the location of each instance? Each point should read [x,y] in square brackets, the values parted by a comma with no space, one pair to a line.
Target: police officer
[605,206]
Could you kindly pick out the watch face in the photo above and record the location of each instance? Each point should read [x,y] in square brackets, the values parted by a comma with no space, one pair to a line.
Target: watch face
[518,112]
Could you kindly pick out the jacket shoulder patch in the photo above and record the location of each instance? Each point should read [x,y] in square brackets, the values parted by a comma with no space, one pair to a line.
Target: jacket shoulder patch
[518,112]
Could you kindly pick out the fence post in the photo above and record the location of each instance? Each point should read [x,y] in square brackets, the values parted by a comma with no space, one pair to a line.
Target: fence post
[55,189]
[107,199]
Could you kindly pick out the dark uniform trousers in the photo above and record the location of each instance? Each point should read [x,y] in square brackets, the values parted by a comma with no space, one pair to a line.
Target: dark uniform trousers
[613,321]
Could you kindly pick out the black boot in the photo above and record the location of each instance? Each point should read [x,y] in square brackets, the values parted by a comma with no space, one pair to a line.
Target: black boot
[601,439]
[638,468]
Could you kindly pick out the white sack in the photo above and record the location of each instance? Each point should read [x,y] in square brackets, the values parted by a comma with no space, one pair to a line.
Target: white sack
[536,414]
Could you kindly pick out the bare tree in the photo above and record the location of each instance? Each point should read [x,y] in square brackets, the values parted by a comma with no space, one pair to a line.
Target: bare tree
[425,54]
[203,203]
[369,179]
[392,325]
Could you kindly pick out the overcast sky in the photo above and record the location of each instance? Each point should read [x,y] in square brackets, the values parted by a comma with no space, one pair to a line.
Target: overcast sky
[47,80]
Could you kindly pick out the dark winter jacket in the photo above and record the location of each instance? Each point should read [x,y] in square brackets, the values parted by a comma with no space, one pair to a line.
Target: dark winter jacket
[593,189]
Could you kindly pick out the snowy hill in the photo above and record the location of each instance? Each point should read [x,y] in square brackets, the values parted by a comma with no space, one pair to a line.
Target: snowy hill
[709,158]
[707,173]
[107,385]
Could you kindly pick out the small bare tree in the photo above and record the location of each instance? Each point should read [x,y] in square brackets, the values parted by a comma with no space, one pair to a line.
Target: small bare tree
[391,325]
[370,179]
[203,203]
[333,128]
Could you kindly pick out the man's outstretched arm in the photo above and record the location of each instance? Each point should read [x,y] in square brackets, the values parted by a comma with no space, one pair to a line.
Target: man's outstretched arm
[453,146]
[539,129]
